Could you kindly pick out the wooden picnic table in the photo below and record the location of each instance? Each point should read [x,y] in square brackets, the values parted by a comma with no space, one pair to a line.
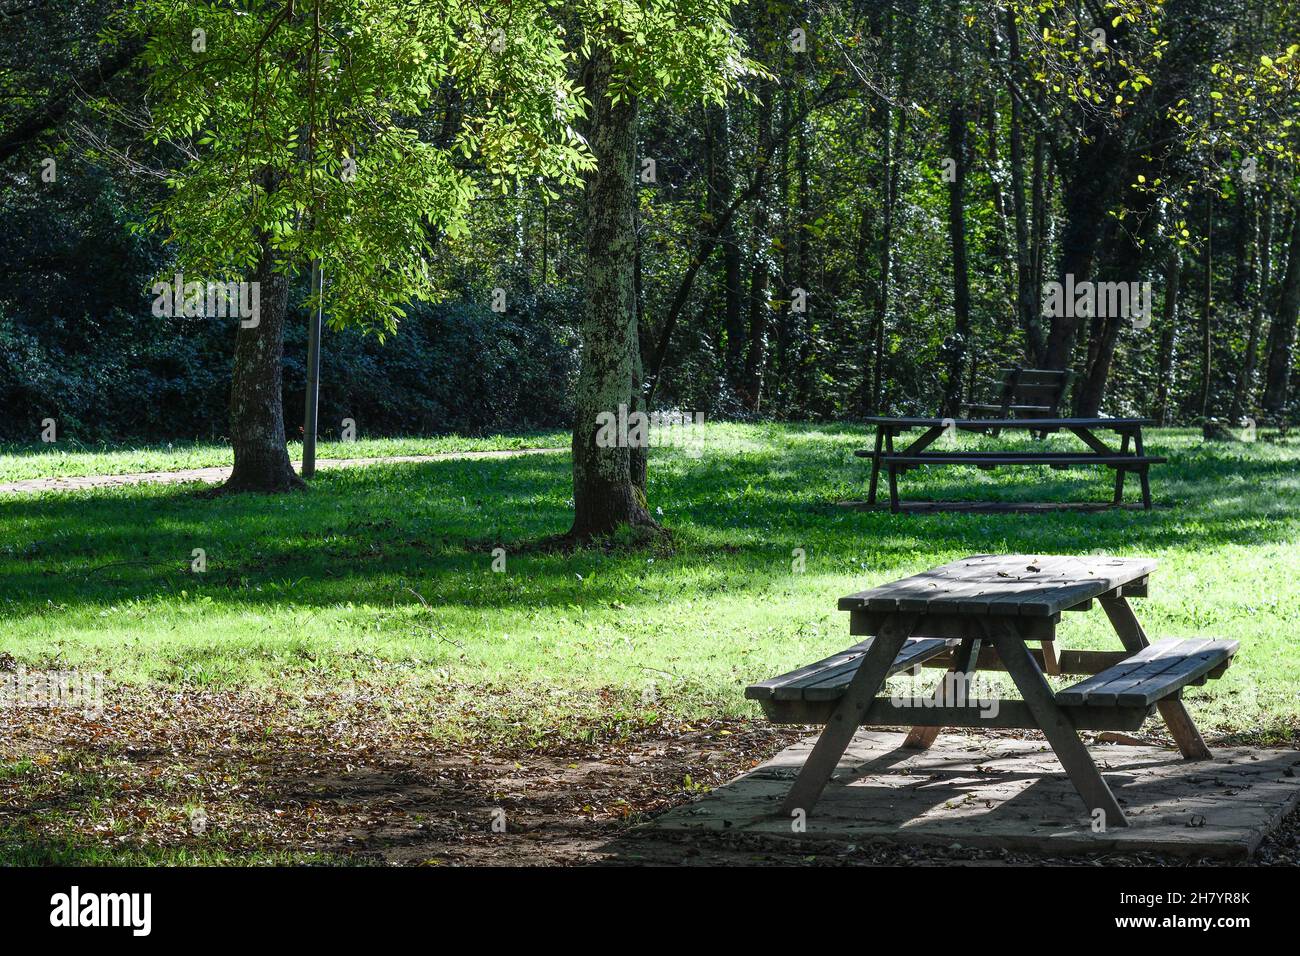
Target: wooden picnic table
[1129,457]
[983,612]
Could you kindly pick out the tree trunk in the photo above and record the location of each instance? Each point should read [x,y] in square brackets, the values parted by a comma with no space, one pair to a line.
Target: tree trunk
[256,398]
[802,322]
[644,343]
[893,137]
[1043,185]
[1027,307]
[1281,336]
[1126,253]
[1207,312]
[1244,232]
[867,292]
[959,342]
[1089,190]
[886,269]
[761,254]
[1260,268]
[1001,245]
[1093,390]
[605,494]
[779,382]
[722,188]
[877,298]
[1168,337]
[886,265]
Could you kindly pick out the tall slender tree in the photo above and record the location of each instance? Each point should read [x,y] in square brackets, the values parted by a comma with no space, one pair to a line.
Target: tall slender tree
[1282,331]
[958,342]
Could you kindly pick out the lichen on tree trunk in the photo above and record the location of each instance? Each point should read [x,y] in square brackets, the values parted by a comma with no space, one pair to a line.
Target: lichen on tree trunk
[608,482]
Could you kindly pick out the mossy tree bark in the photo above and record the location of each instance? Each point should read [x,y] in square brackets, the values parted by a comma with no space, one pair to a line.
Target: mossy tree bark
[608,482]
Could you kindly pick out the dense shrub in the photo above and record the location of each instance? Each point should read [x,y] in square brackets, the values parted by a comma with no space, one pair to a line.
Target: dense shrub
[454,367]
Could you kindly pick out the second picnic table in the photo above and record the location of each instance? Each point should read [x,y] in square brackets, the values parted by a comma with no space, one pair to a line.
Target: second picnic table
[1131,456]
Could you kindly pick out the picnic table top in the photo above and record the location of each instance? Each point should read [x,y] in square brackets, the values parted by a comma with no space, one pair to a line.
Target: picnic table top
[1032,424]
[1005,584]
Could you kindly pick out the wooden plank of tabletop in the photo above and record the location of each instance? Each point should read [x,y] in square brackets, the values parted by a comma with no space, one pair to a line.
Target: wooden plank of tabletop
[1005,585]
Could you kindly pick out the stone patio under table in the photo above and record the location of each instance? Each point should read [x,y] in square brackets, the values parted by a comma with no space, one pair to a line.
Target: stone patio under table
[1004,792]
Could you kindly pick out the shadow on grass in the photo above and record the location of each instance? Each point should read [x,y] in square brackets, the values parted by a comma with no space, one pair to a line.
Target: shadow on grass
[367,534]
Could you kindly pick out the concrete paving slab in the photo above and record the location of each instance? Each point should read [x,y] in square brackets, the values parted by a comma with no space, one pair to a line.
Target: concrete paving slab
[1003,792]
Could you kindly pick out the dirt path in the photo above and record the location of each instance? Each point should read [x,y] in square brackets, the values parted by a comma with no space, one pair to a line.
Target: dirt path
[216,475]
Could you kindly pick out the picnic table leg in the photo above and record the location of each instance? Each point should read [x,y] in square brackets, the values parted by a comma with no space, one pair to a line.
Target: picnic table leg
[964,663]
[875,465]
[1051,664]
[1055,724]
[925,441]
[1144,472]
[893,474]
[847,716]
[1189,740]
[1121,472]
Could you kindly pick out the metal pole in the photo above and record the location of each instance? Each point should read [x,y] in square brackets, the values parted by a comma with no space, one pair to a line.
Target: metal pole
[313,371]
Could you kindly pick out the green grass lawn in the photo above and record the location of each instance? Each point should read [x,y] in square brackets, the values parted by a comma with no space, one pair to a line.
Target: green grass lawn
[385,572]
[73,460]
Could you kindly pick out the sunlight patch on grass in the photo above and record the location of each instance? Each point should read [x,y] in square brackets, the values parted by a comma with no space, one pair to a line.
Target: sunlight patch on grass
[68,459]
[388,569]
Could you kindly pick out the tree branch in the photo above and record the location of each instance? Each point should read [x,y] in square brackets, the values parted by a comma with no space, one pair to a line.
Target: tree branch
[59,105]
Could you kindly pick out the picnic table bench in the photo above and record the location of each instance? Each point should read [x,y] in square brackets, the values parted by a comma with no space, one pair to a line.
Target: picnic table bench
[1131,455]
[981,613]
